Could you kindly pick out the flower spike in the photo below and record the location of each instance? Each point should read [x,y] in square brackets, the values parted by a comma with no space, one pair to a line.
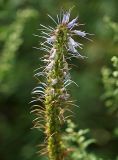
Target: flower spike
[51,97]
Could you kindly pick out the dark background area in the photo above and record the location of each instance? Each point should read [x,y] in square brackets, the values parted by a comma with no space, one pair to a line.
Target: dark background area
[19,20]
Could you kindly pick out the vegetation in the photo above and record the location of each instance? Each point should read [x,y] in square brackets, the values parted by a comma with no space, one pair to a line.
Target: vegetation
[97,95]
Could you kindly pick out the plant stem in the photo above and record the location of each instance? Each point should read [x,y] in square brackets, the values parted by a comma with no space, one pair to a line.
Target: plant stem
[52,101]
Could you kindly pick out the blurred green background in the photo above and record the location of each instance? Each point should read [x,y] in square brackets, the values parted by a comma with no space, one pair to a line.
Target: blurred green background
[19,20]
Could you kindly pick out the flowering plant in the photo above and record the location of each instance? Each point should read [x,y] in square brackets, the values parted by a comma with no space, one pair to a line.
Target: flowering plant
[51,95]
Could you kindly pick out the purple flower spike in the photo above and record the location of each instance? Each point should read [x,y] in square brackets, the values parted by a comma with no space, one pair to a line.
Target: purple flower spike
[67,27]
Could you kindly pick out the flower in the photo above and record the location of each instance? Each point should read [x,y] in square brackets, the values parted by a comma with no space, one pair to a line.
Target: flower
[73,43]
[66,17]
[64,23]
[59,44]
[73,23]
[80,33]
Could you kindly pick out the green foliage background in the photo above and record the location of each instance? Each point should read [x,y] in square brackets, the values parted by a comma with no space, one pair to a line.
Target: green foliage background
[19,20]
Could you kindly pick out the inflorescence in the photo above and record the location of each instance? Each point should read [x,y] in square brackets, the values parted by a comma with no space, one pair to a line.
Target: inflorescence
[51,97]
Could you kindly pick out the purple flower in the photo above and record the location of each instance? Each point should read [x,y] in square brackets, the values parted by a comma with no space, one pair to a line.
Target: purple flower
[73,23]
[73,43]
[66,17]
[80,33]
[71,47]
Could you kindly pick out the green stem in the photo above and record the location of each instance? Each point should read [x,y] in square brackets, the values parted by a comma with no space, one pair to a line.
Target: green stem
[55,83]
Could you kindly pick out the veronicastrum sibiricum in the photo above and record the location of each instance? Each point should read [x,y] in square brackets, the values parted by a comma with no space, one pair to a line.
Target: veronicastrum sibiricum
[52,96]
